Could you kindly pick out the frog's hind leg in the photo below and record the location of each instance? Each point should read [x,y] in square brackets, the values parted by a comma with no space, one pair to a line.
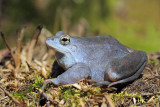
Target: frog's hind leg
[126,69]
[131,78]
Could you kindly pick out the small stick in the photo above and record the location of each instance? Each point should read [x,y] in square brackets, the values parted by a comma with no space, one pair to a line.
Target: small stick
[108,97]
[19,45]
[2,35]
[37,33]
[9,95]
[30,68]
[34,43]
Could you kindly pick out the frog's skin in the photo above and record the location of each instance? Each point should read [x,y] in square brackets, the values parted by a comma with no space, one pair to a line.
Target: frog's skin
[103,58]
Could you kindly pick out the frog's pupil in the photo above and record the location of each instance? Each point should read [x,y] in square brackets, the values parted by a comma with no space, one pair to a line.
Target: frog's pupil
[65,39]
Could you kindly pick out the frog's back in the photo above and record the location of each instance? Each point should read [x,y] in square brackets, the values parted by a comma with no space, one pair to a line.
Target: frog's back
[99,49]
[97,40]
[104,42]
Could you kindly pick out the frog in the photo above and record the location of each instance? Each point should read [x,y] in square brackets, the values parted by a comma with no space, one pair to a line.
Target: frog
[102,58]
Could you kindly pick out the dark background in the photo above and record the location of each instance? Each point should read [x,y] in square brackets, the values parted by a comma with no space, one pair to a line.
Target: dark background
[135,23]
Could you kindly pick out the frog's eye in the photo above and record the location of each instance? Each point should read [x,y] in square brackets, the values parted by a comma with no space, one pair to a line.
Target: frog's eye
[65,40]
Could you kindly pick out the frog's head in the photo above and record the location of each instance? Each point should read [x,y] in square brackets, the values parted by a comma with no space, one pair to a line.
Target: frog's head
[62,43]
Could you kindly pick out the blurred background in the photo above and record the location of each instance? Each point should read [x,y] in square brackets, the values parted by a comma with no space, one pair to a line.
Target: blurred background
[135,23]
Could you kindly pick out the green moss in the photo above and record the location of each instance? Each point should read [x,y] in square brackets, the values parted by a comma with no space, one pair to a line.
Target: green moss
[38,82]
[155,62]
[74,96]
[120,96]
[19,94]
[30,92]
[158,97]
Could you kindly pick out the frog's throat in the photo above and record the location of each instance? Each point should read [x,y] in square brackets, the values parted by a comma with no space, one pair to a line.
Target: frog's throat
[65,60]
[60,51]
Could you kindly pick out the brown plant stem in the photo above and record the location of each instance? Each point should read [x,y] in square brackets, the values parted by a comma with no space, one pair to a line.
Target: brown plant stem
[19,45]
[2,35]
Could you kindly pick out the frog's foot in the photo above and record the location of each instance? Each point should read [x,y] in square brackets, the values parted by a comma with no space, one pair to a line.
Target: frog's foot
[48,81]
[45,96]
[101,83]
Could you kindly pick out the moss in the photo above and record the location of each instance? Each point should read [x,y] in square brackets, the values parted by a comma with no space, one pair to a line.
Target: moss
[30,92]
[38,82]
[155,62]
[120,97]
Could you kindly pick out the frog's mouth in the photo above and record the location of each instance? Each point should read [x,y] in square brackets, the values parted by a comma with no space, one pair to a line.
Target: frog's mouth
[52,45]
[57,50]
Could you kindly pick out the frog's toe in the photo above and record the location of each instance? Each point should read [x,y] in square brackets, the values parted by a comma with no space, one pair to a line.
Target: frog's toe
[45,82]
[102,83]
[48,81]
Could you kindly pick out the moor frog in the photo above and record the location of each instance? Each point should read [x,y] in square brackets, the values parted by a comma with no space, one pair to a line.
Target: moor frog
[103,58]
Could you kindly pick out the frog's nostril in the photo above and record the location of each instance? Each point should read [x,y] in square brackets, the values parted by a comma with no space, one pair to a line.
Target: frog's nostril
[50,38]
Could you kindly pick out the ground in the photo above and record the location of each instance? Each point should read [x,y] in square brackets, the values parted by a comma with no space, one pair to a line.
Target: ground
[23,70]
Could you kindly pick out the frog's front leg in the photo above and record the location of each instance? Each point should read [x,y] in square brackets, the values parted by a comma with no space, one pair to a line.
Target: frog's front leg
[72,75]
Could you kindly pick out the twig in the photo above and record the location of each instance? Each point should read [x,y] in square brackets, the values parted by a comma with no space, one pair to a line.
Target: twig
[19,45]
[9,95]
[74,85]
[3,98]
[44,57]
[108,97]
[2,35]
[104,102]
[5,70]
[34,42]
[147,94]
[151,99]
[82,103]
[37,33]
[30,68]
[37,62]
